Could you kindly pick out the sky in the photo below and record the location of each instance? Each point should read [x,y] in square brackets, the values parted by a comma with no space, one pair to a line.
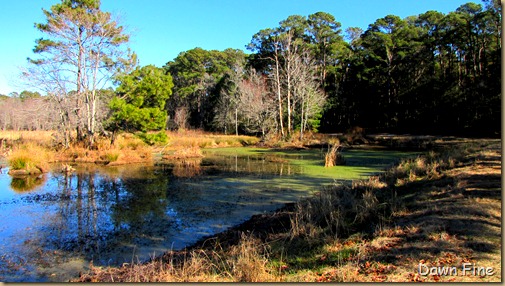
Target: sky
[161,29]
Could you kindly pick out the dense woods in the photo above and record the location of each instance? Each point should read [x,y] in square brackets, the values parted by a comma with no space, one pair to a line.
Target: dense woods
[431,73]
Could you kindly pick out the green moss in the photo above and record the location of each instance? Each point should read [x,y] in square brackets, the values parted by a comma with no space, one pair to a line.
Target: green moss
[360,163]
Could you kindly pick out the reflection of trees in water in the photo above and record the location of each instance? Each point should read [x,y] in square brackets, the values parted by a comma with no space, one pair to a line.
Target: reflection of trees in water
[76,227]
[96,214]
[270,164]
[187,168]
[27,183]
[107,217]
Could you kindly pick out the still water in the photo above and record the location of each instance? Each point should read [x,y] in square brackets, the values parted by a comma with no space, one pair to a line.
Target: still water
[54,225]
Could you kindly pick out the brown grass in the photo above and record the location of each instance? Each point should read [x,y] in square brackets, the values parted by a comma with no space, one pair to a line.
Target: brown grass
[30,158]
[333,157]
[126,149]
[244,262]
[196,138]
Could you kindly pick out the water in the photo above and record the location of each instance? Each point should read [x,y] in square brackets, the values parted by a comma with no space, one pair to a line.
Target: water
[53,225]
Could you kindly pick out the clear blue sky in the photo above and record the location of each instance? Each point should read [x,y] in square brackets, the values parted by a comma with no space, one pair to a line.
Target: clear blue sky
[161,29]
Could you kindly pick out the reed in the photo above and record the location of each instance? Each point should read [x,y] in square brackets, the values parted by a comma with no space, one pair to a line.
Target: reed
[334,156]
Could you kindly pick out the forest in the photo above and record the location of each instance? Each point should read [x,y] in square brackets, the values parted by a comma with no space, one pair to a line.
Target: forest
[432,73]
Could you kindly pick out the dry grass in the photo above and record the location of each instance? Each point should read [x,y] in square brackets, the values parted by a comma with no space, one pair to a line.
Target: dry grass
[244,262]
[195,138]
[184,153]
[294,142]
[126,149]
[39,137]
[29,158]
[334,157]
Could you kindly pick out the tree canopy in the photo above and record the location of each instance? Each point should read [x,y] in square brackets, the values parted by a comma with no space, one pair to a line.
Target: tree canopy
[82,50]
[431,73]
[140,101]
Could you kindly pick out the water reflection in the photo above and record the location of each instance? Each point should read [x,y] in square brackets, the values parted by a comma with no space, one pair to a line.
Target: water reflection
[27,183]
[118,214]
[187,168]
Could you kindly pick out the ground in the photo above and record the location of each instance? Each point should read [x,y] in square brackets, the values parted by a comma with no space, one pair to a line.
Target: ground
[451,220]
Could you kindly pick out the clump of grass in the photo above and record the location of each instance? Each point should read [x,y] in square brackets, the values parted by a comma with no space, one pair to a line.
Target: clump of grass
[183,153]
[334,157]
[248,260]
[111,156]
[30,158]
[129,141]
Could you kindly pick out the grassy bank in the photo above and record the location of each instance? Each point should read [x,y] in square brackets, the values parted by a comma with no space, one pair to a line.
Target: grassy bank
[438,210]
[30,152]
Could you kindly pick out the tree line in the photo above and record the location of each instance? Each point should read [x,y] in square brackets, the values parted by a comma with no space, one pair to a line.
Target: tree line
[431,73]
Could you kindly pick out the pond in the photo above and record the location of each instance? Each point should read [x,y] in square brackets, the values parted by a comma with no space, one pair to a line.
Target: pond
[55,224]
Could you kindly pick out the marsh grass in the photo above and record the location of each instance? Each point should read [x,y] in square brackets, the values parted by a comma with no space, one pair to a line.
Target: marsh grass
[195,138]
[334,156]
[244,262]
[30,157]
[127,148]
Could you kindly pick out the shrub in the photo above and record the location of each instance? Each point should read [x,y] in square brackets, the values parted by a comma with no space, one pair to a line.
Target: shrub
[153,138]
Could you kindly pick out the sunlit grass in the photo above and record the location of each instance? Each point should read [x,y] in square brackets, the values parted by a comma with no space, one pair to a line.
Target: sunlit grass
[39,137]
[30,157]
[200,139]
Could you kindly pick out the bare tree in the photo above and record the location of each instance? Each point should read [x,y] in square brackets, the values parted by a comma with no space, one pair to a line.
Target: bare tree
[257,106]
[83,51]
[306,92]
[290,71]
[181,117]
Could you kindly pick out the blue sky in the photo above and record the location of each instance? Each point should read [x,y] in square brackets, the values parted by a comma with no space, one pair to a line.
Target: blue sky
[161,29]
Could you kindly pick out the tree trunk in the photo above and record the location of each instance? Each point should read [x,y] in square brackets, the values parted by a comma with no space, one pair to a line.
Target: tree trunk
[236,121]
[279,95]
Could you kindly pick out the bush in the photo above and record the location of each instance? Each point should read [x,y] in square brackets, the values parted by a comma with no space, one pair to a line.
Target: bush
[111,156]
[153,138]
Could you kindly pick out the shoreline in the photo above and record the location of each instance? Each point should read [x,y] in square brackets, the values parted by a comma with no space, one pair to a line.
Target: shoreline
[266,228]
